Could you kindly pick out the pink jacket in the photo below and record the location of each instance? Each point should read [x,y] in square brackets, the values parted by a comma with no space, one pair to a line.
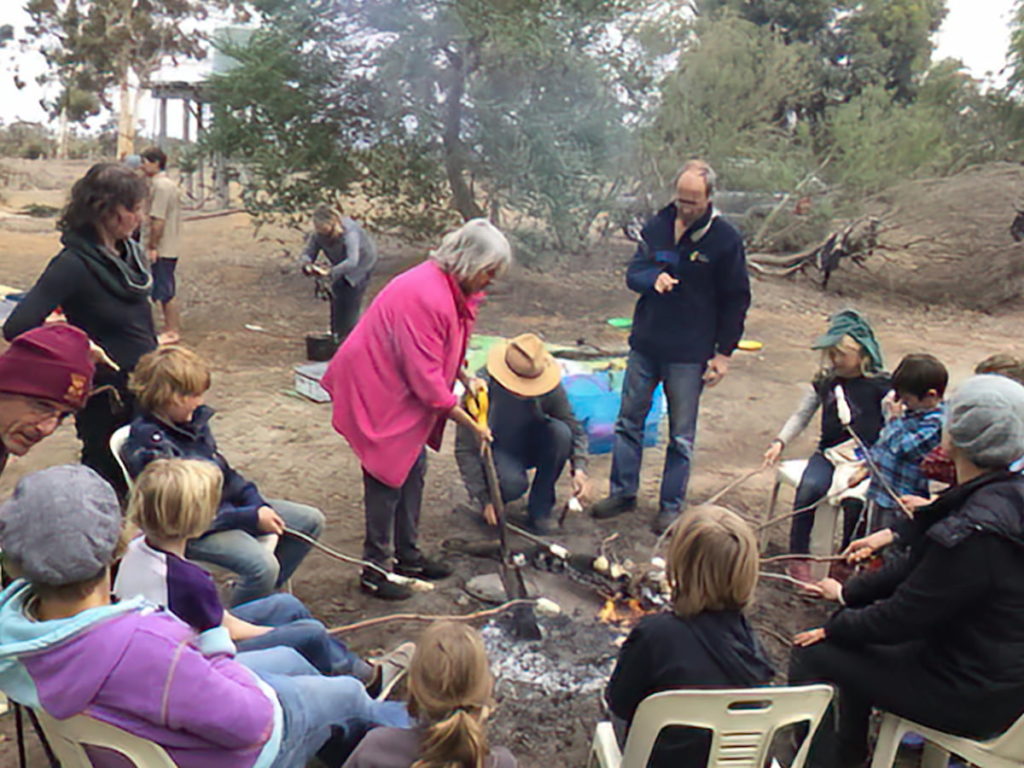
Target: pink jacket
[391,381]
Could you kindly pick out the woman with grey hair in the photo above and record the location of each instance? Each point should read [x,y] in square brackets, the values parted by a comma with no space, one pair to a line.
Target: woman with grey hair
[391,385]
[937,636]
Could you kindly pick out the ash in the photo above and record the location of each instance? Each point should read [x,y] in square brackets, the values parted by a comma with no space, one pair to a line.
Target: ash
[549,691]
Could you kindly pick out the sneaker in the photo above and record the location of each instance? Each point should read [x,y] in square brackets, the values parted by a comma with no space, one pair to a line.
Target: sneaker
[374,583]
[663,520]
[613,506]
[801,571]
[389,670]
[431,570]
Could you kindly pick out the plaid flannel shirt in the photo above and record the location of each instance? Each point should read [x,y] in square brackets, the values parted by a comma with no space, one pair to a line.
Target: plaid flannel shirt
[898,452]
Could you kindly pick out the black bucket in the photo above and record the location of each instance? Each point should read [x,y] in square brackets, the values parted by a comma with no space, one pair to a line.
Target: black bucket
[320,347]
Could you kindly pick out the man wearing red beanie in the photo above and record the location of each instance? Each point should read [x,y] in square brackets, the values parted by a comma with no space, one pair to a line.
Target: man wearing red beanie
[45,375]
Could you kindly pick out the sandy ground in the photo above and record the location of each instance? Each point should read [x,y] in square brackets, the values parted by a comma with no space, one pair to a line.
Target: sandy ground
[228,277]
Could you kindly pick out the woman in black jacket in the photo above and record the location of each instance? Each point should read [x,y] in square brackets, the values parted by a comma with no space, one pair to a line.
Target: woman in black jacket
[101,281]
[937,636]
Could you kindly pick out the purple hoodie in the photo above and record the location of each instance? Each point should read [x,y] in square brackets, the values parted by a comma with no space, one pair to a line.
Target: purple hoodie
[138,668]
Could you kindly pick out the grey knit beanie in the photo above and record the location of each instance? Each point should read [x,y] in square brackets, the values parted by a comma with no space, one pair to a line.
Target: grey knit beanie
[985,420]
[61,525]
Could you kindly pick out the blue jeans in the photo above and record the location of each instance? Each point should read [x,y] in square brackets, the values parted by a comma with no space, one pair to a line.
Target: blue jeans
[260,571]
[313,704]
[814,484]
[683,384]
[295,627]
[548,446]
[276,661]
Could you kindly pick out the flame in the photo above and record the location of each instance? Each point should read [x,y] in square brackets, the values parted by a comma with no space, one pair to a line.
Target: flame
[623,613]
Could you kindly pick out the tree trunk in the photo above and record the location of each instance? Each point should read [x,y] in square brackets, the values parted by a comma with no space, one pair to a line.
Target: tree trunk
[63,134]
[454,149]
[125,119]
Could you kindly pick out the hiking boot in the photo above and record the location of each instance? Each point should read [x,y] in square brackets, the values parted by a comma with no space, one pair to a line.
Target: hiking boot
[663,520]
[424,568]
[374,583]
[612,506]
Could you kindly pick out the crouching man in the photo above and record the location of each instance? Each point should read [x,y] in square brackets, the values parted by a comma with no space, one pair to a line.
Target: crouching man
[533,427]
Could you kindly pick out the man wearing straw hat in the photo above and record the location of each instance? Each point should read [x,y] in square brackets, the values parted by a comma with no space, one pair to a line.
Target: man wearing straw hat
[533,427]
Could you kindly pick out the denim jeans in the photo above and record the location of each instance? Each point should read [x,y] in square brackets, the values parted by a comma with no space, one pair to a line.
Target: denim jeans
[684,383]
[276,661]
[295,627]
[313,704]
[547,447]
[261,571]
[814,484]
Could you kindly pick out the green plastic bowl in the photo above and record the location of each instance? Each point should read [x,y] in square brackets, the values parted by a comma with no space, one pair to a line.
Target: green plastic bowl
[620,322]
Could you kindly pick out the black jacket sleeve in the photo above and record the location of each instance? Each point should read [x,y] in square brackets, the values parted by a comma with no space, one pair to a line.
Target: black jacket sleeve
[868,587]
[943,584]
[59,280]
[556,405]
[733,284]
[631,680]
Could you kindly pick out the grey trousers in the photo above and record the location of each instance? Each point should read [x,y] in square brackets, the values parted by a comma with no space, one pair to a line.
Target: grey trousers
[394,510]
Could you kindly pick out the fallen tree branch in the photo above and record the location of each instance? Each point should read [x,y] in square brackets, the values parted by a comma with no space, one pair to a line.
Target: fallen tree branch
[421,617]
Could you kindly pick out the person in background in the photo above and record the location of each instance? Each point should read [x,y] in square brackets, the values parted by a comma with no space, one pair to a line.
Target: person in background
[45,376]
[704,641]
[936,636]
[450,687]
[170,384]
[66,648]
[690,272]
[163,239]
[101,281]
[853,358]
[175,500]
[533,427]
[352,255]
[391,385]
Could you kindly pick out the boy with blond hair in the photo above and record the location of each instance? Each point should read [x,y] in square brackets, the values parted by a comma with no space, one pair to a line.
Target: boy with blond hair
[170,383]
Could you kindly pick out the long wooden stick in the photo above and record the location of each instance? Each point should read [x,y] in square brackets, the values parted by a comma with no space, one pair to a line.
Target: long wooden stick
[428,617]
[812,558]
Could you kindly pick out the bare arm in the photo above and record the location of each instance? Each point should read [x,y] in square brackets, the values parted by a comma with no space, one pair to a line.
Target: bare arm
[242,630]
[156,236]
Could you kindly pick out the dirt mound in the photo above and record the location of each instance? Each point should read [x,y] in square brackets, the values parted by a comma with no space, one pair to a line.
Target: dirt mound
[948,240]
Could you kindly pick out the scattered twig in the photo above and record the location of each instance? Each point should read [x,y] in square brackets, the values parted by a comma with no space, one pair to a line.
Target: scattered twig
[421,617]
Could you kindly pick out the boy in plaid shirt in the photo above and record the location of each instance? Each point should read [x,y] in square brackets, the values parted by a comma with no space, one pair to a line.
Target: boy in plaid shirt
[919,383]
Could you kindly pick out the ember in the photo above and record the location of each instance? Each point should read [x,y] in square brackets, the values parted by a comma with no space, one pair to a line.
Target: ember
[622,613]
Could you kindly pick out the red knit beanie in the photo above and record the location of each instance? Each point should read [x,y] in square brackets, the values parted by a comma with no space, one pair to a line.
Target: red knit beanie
[52,362]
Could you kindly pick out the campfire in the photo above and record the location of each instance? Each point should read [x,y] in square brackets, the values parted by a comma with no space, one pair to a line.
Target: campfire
[622,613]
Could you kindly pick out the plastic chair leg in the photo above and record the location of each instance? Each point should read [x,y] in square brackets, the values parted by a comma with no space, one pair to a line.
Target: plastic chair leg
[888,743]
[934,756]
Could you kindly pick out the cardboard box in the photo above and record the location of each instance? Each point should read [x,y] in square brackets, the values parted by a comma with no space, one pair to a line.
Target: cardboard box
[307,382]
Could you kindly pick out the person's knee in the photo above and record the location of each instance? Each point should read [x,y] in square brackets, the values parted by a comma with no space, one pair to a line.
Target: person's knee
[514,486]
[258,570]
[287,607]
[558,436]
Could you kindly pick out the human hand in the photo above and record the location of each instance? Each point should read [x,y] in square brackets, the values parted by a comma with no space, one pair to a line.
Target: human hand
[773,454]
[269,521]
[826,589]
[484,435]
[153,254]
[475,384]
[914,502]
[891,407]
[489,514]
[861,549]
[665,283]
[718,366]
[100,357]
[580,485]
[810,637]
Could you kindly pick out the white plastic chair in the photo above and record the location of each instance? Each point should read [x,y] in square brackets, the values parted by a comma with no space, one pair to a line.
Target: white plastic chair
[69,737]
[117,441]
[1006,751]
[742,722]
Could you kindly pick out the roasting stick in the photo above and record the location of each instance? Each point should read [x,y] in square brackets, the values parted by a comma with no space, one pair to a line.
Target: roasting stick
[417,585]
[435,617]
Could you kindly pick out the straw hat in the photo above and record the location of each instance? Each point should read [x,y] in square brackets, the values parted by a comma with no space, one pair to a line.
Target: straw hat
[523,366]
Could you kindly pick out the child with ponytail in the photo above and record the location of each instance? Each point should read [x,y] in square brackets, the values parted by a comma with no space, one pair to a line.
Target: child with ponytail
[450,687]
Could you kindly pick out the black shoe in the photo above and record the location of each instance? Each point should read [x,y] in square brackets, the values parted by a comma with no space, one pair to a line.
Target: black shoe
[613,506]
[542,526]
[425,568]
[374,583]
[663,520]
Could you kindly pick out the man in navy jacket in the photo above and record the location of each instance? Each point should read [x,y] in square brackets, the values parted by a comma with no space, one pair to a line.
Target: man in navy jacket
[691,273]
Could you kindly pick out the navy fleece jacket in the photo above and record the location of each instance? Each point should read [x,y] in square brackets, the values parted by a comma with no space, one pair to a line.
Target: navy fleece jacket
[704,314]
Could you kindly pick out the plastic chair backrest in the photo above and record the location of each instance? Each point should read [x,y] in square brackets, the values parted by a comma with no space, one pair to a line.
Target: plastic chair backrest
[117,441]
[69,737]
[1011,744]
[742,721]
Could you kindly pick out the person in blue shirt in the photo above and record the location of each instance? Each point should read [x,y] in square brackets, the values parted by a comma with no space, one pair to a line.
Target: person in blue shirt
[691,273]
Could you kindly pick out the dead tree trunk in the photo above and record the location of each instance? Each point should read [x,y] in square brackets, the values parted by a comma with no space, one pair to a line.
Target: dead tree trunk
[454,149]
